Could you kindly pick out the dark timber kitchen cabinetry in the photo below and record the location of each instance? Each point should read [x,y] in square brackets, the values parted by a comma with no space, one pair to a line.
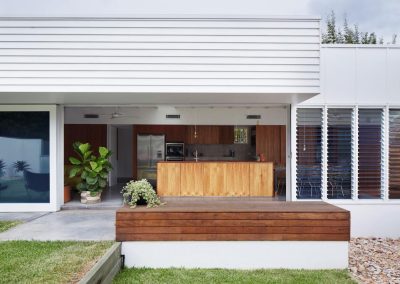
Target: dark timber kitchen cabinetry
[207,134]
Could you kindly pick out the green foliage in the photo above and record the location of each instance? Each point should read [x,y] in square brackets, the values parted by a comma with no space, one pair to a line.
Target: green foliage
[331,35]
[133,191]
[92,169]
[232,276]
[6,225]
[350,35]
[394,39]
[37,262]
[21,166]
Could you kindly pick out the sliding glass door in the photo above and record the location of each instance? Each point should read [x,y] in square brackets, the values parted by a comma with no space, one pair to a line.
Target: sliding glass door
[24,157]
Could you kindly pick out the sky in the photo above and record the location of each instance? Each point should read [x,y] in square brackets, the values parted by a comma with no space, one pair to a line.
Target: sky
[380,16]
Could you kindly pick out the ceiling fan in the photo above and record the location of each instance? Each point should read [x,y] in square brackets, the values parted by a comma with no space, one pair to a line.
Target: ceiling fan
[117,114]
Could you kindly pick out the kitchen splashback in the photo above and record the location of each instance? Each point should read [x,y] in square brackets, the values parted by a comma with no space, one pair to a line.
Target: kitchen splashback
[242,151]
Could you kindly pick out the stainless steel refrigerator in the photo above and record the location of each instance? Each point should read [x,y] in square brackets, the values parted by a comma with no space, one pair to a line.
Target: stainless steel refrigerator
[150,150]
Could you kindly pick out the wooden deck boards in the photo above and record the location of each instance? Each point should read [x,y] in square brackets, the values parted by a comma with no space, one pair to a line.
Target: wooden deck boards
[230,219]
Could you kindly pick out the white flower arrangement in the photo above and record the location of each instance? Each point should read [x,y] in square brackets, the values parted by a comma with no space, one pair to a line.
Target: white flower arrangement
[133,191]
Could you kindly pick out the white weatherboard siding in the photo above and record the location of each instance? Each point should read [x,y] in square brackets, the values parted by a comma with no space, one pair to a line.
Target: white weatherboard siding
[159,55]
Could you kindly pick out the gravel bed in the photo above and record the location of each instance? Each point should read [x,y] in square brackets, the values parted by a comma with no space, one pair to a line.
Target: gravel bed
[375,260]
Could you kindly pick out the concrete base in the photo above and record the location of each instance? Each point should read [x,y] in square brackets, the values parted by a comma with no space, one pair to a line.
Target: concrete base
[238,254]
[69,225]
[374,220]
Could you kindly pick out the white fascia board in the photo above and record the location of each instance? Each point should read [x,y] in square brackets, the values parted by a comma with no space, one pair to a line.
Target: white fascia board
[172,16]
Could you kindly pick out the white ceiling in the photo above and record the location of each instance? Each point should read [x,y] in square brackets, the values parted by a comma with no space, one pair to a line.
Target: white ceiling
[152,98]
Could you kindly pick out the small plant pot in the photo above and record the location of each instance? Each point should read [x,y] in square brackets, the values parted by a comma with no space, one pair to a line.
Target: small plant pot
[67,193]
[141,201]
[86,198]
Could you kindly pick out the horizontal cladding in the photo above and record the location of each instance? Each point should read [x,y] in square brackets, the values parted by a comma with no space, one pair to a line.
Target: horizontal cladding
[158,81]
[160,23]
[201,52]
[225,226]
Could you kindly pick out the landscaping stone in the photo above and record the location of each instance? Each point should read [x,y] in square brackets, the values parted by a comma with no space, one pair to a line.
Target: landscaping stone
[375,260]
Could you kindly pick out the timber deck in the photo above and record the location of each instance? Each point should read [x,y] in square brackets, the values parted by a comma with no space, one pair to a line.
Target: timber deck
[233,219]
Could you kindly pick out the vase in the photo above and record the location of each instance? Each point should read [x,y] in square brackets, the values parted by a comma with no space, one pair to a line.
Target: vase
[87,198]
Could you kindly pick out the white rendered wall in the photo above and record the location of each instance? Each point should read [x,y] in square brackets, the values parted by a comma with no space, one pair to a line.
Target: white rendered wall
[237,254]
[359,75]
[374,220]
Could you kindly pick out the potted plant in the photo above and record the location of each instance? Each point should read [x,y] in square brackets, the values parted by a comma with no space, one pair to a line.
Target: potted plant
[136,192]
[92,169]
[67,193]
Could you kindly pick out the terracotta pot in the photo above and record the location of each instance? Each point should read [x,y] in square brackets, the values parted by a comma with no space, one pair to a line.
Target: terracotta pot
[67,193]
[86,198]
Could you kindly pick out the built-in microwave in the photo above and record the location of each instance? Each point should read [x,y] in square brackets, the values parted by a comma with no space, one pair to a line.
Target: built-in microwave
[174,151]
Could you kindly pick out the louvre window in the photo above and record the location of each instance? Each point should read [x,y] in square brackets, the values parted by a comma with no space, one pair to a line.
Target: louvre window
[309,153]
[339,153]
[369,153]
[394,154]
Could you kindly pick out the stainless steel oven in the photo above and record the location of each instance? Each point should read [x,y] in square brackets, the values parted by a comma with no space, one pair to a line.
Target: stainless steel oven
[174,151]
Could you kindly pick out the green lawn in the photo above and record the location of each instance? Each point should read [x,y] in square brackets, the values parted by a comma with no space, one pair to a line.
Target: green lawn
[192,276]
[48,262]
[6,225]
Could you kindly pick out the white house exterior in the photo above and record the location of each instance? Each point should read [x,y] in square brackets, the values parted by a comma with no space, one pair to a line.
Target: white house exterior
[211,70]
[357,78]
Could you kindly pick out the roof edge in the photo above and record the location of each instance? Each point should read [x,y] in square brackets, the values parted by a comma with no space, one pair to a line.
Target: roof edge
[181,17]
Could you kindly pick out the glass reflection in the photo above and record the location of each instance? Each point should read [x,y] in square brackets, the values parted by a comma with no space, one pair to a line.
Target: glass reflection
[24,157]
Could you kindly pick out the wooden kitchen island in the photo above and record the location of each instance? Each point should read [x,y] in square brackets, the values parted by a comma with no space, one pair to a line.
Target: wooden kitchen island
[203,178]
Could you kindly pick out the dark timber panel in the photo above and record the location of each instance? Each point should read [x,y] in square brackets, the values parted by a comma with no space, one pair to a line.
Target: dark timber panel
[224,219]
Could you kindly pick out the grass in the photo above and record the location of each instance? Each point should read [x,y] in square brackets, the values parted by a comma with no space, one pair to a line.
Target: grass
[6,225]
[48,262]
[226,276]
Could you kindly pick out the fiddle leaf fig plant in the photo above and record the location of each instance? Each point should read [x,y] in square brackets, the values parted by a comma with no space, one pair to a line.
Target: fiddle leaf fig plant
[92,169]
[134,191]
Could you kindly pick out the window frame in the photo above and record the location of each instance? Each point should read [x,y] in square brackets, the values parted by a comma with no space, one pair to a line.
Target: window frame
[384,160]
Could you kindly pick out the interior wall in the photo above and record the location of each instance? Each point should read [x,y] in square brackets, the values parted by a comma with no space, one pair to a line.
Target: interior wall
[124,152]
[96,135]
[112,145]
